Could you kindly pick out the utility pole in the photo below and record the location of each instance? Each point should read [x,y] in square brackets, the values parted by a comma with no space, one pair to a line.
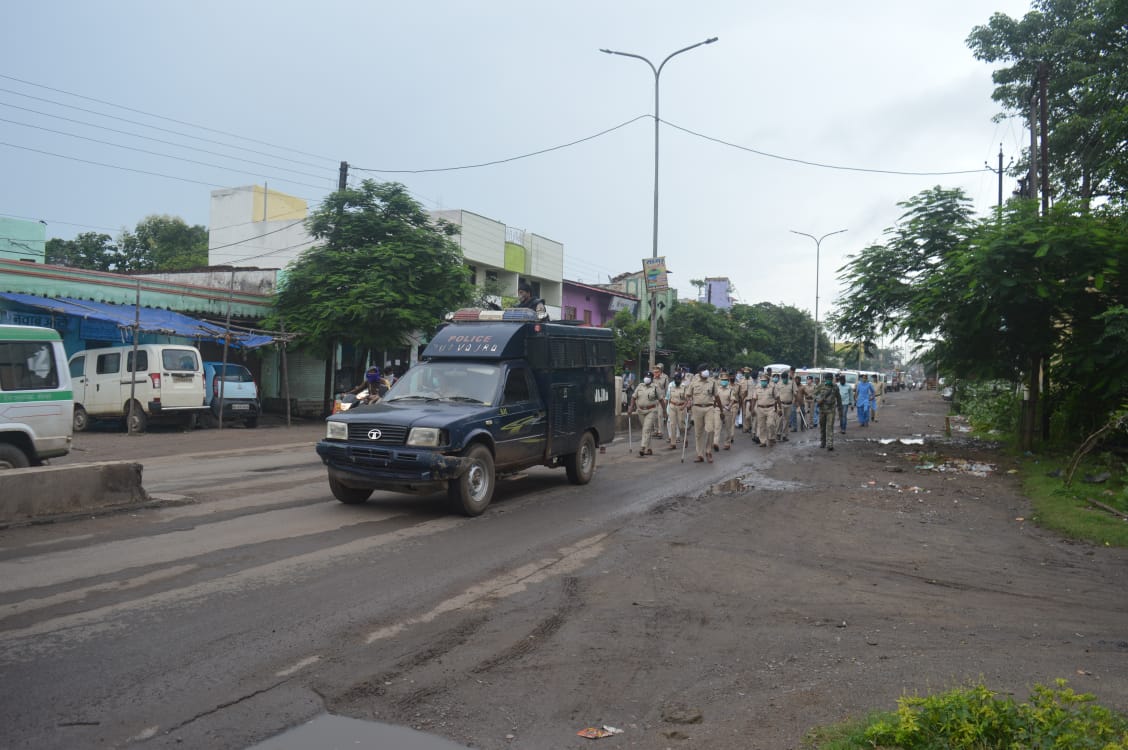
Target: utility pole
[999,172]
[343,179]
[1032,176]
[1043,121]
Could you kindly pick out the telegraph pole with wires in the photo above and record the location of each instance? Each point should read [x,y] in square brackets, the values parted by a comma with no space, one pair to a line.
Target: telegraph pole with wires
[1000,171]
[343,179]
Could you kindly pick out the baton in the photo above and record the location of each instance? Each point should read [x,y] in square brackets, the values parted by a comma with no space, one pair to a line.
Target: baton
[630,440]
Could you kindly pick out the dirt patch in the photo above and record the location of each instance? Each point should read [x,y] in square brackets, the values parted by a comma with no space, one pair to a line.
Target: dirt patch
[744,615]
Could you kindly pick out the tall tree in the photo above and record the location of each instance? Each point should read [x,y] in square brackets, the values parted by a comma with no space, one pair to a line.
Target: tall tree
[381,270]
[89,250]
[632,336]
[1083,46]
[163,243]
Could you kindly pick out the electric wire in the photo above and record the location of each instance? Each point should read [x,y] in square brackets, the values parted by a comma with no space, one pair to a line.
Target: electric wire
[508,159]
[163,130]
[160,154]
[162,117]
[150,138]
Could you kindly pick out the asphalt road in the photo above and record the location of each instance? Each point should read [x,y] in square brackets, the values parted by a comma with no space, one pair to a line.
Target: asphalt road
[724,606]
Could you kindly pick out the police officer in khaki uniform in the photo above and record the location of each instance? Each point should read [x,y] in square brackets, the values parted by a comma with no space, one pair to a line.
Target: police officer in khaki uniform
[702,395]
[662,383]
[729,400]
[764,406]
[677,408]
[647,401]
[785,390]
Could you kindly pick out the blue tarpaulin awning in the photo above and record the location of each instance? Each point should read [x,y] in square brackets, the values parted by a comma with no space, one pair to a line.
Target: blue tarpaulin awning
[152,320]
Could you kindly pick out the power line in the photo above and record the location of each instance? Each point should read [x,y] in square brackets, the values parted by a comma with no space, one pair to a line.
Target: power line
[162,117]
[506,160]
[163,130]
[156,153]
[155,140]
[815,163]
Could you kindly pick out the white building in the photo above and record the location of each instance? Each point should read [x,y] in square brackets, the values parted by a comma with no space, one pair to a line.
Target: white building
[495,252]
[254,226]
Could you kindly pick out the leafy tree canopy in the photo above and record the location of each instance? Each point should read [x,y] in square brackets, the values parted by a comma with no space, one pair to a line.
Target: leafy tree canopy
[163,243]
[381,270]
[90,250]
[1083,45]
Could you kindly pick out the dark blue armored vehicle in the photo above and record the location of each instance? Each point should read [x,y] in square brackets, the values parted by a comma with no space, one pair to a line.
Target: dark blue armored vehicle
[496,392]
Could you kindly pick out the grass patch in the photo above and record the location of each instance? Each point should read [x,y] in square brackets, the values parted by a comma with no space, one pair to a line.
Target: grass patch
[975,718]
[1065,510]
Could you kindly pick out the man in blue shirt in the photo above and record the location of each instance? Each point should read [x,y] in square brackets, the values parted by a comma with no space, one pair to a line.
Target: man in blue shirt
[864,397]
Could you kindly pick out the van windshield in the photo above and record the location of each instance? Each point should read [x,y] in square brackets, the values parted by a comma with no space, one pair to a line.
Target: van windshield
[448,381]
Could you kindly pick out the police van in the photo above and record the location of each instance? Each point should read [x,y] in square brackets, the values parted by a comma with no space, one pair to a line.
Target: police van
[36,401]
[497,391]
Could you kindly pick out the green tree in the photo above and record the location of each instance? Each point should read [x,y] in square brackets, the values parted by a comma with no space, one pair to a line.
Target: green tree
[163,243]
[1083,46]
[631,335]
[699,332]
[89,250]
[381,270]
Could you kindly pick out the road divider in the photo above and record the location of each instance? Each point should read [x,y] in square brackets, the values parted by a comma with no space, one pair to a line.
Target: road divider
[43,491]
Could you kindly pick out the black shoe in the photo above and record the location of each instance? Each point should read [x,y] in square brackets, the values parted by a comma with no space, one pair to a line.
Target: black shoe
[822,445]
[830,448]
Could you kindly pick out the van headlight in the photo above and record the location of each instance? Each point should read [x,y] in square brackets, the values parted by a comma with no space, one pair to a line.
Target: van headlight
[424,437]
[337,430]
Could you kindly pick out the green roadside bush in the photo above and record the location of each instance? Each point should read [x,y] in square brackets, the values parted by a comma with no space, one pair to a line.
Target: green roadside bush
[975,718]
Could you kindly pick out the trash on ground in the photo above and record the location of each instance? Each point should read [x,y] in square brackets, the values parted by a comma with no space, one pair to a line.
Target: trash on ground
[1101,478]
[595,733]
[902,441]
[959,466]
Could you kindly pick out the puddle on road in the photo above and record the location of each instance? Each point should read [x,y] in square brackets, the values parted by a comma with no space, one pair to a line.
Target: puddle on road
[330,731]
[739,485]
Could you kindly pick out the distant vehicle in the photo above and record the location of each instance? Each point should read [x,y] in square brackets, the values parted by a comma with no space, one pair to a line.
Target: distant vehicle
[36,400]
[240,393]
[498,392]
[167,384]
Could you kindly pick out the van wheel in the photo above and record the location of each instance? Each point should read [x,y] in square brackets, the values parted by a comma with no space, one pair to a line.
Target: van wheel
[81,419]
[12,457]
[135,419]
[471,493]
[348,495]
[581,464]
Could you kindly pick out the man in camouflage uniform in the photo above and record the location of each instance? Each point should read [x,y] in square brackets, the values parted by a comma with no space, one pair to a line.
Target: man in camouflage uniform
[830,402]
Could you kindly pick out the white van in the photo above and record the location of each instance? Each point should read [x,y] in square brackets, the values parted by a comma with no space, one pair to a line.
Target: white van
[167,385]
[36,402]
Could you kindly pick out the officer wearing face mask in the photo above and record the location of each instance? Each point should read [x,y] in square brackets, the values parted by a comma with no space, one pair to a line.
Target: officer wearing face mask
[647,401]
[701,394]
[728,396]
[676,408]
[765,404]
[785,390]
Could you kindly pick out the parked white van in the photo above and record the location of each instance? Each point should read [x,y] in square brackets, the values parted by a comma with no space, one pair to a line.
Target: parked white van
[167,383]
[36,403]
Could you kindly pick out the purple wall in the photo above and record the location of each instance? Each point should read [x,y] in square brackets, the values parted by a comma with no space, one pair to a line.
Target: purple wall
[596,303]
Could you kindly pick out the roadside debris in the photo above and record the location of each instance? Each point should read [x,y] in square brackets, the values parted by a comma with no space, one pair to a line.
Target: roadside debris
[595,733]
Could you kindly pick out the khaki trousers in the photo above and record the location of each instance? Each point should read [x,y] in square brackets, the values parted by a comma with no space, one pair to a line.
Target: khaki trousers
[704,428]
[766,424]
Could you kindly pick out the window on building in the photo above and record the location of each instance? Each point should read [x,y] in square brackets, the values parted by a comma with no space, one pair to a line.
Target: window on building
[569,313]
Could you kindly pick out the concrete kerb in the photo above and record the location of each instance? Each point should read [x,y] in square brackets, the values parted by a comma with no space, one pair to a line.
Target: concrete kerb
[36,493]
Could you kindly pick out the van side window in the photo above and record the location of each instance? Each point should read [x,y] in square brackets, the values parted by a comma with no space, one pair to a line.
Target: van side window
[78,367]
[27,366]
[179,359]
[142,361]
[516,387]
[108,363]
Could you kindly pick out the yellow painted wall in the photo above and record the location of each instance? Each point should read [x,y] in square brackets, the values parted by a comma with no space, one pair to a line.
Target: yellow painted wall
[515,258]
[279,206]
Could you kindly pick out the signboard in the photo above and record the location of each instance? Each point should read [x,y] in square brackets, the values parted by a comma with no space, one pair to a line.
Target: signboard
[621,303]
[654,269]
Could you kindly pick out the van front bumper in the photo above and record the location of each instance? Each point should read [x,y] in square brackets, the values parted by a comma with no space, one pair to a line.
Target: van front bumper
[387,467]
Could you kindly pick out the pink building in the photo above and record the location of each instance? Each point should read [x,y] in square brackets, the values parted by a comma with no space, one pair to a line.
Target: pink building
[593,304]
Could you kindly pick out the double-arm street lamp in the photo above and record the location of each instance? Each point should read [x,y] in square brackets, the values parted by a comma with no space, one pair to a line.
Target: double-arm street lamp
[818,244]
[654,253]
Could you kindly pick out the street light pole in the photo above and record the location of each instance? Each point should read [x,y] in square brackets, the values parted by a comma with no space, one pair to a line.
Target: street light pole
[818,245]
[654,252]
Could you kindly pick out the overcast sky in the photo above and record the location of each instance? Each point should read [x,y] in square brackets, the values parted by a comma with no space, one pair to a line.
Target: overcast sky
[883,85]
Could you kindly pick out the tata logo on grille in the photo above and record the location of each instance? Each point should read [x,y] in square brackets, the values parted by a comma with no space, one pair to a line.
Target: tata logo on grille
[375,434]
